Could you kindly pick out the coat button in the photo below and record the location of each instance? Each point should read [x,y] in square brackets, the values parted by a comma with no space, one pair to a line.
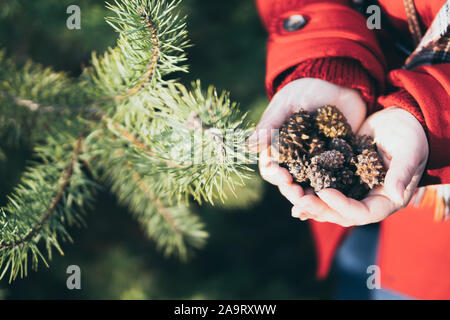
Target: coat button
[294,23]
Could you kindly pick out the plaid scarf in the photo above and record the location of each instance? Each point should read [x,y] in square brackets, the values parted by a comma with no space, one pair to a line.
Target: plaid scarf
[434,47]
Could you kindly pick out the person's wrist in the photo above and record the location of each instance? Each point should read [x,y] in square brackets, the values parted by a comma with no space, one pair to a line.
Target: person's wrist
[341,71]
[404,100]
[410,118]
[416,125]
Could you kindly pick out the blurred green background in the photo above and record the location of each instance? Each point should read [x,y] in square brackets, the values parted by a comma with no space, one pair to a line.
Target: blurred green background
[255,251]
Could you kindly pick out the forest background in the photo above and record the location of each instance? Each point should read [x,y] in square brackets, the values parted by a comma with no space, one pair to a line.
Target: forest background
[255,250]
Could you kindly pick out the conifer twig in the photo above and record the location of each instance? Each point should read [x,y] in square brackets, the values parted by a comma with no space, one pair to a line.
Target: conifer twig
[139,142]
[66,175]
[160,207]
[153,62]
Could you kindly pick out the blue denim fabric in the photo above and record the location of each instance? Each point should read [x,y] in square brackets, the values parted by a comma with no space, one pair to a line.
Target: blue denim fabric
[356,253]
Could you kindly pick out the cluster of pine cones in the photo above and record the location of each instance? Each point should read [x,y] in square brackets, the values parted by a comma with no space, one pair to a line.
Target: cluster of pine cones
[320,151]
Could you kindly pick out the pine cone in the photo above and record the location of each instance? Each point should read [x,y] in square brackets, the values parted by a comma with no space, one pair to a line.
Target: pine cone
[298,169]
[316,146]
[329,160]
[370,169]
[285,153]
[358,190]
[321,151]
[362,143]
[292,140]
[296,132]
[343,147]
[321,178]
[300,121]
[345,177]
[331,122]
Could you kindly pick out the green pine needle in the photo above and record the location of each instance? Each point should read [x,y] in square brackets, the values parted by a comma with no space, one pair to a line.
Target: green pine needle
[123,123]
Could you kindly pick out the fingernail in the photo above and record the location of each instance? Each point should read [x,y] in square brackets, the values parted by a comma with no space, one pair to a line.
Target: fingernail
[303,217]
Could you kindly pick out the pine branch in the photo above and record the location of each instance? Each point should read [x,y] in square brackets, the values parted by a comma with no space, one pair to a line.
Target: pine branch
[198,139]
[185,228]
[65,178]
[35,87]
[31,99]
[155,142]
[139,145]
[153,62]
[173,227]
[151,45]
[50,197]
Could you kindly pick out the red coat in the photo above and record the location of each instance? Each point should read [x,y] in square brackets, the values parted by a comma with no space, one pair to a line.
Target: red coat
[336,45]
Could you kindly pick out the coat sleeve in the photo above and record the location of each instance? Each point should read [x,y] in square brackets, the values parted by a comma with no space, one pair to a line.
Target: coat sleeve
[332,29]
[424,92]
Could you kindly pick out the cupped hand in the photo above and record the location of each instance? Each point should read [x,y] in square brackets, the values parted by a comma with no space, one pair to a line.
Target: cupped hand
[308,94]
[403,145]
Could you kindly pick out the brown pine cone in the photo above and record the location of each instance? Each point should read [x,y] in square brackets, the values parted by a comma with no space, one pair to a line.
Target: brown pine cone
[296,132]
[300,121]
[299,141]
[345,177]
[331,122]
[320,178]
[358,190]
[316,146]
[284,153]
[320,151]
[298,169]
[329,160]
[343,147]
[370,169]
[362,143]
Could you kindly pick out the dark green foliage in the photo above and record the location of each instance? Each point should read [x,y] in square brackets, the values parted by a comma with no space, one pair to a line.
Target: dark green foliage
[154,141]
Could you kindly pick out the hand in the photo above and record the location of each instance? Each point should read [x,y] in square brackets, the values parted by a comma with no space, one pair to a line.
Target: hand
[403,145]
[309,94]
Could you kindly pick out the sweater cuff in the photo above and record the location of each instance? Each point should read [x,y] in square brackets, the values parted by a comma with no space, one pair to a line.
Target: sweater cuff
[345,72]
